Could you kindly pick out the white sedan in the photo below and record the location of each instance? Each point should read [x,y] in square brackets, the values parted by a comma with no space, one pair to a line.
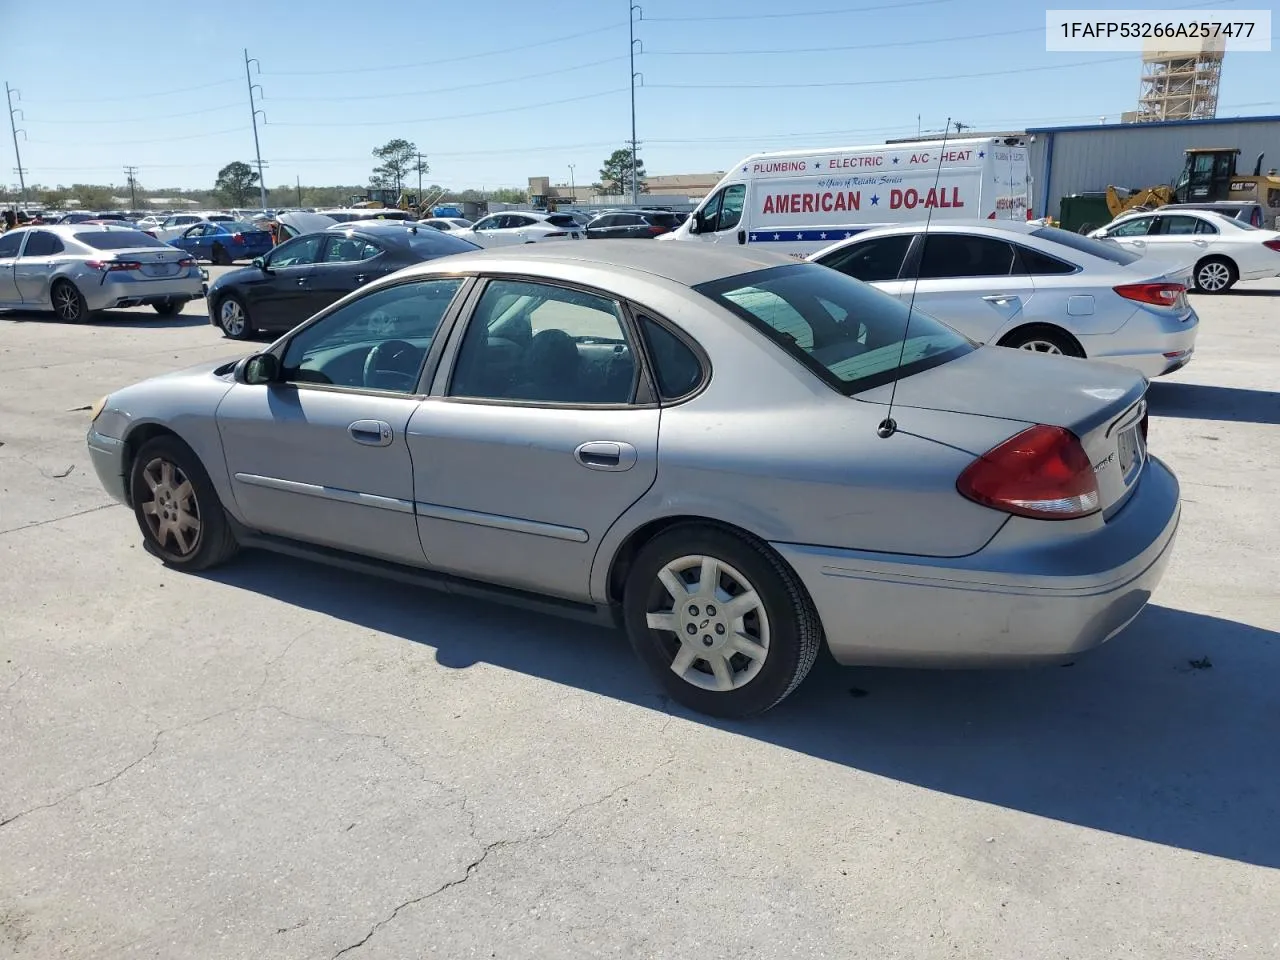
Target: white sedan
[1031,287]
[447,224]
[520,226]
[1220,249]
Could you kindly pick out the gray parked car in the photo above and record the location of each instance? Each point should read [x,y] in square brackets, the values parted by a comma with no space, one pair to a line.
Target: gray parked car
[697,444]
[78,269]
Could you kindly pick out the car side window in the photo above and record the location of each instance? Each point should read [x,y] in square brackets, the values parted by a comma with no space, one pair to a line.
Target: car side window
[731,205]
[539,343]
[676,367]
[877,258]
[488,223]
[10,243]
[519,221]
[956,255]
[1205,227]
[710,214]
[1039,264]
[1179,225]
[1136,227]
[42,244]
[348,250]
[300,251]
[379,341]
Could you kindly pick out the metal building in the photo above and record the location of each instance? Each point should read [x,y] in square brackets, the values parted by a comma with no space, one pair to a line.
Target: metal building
[1085,159]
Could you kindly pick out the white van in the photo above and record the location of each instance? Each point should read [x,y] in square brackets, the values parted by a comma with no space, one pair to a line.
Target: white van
[799,201]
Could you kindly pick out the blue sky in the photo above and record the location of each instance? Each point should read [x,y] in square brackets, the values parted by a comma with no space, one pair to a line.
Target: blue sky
[497,91]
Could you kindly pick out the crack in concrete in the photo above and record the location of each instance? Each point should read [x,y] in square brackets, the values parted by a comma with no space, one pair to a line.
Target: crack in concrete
[41,523]
[473,867]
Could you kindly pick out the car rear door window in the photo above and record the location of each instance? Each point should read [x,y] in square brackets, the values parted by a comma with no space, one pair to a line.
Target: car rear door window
[539,343]
[1205,227]
[676,367]
[348,250]
[41,243]
[958,255]
[1171,226]
[1039,264]
[877,258]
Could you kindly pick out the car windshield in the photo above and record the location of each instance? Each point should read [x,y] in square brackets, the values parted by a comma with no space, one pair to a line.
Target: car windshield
[117,239]
[851,335]
[241,226]
[1095,248]
[434,243]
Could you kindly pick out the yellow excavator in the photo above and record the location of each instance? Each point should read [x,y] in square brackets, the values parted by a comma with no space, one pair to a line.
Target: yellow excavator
[1208,174]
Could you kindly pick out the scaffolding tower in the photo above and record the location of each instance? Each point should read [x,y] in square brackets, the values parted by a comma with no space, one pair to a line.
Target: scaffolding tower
[1179,83]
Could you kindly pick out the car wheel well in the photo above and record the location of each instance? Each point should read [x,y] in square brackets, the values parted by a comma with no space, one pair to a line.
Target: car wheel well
[1018,334]
[134,441]
[626,553]
[1231,264]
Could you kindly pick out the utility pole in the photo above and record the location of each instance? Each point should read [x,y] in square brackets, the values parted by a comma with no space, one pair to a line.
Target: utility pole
[299,181]
[131,175]
[254,111]
[631,50]
[13,127]
[573,189]
[420,161]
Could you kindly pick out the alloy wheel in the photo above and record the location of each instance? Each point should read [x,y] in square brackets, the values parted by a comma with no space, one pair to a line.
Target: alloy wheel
[713,622]
[231,317]
[1213,277]
[1041,346]
[66,301]
[172,511]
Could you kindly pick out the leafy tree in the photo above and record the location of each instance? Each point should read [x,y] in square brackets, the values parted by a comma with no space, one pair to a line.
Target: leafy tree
[236,183]
[615,175]
[92,196]
[399,158]
[52,199]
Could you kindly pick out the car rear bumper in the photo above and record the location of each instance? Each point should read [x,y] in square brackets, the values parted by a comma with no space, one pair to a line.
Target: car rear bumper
[1150,343]
[133,293]
[1025,603]
[107,454]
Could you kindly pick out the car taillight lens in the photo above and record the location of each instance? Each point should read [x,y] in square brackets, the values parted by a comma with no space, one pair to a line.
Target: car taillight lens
[113,265]
[237,238]
[1158,294]
[655,229]
[186,262]
[1272,245]
[1042,472]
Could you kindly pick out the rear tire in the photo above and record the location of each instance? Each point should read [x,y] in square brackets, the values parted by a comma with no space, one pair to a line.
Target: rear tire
[755,633]
[167,308]
[1043,339]
[233,318]
[220,256]
[177,507]
[68,302]
[1216,275]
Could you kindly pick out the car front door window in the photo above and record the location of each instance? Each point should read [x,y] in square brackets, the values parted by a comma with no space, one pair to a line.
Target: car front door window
[378,342]
[877,258]
[1137,227]
[301,251]
[735,197]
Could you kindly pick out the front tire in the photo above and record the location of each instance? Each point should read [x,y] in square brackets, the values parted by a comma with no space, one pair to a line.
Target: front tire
[727,628]
[168,308]
[177,507]
[233,318]
[1216,275]
[68,302]
[220,256]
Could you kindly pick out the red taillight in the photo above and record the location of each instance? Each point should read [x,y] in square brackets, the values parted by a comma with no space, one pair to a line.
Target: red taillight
[113,265]
[1030,214]
[237,238]
[1272,245]
[991,215]
[187,262]
[1042,472]
[1159,294]
[656,230]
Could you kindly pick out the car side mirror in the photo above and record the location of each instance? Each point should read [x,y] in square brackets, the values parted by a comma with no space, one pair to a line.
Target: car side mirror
[695,223]
[261,264]
[257,369]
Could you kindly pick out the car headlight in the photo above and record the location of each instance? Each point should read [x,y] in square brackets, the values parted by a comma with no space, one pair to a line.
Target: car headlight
[97,408]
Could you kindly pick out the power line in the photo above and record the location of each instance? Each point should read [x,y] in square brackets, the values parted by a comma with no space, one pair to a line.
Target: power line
[401,121]
[132,141]
[876,83]
[165,116]
[438,61]
[796,13]
[463,86]
[141,96]
[860,46]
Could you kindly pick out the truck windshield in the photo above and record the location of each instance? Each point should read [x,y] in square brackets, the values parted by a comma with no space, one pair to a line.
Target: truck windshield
[851,335]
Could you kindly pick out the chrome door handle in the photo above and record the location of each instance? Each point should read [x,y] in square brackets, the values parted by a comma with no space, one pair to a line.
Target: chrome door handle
[606,455]
[1001,298]
[372,433]
[361,278]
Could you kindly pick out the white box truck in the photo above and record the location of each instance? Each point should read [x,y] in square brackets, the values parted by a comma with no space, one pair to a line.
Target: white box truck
[799,201]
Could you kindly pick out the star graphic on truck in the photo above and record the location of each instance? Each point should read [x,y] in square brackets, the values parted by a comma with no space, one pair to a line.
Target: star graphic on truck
[875,199]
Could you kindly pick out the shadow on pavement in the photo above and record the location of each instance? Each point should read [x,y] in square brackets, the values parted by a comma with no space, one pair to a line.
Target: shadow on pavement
[1199,401]
[115,318]
[1167,734]
[1237,292]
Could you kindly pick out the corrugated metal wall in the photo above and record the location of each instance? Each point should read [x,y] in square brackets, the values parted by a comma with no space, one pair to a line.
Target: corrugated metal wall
[1138,155]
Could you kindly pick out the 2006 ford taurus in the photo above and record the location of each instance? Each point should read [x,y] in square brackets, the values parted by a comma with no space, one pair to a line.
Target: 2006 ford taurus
[695,444]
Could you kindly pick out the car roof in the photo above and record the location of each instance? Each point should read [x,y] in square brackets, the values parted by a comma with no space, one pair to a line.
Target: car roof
[685,263]
[953,226]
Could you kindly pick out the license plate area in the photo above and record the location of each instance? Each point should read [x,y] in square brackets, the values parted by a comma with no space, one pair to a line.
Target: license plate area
[1132,452]
[160,269]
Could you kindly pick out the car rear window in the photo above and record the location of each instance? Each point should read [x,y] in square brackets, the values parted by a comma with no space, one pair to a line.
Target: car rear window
[851,335]
[434,243]
[663,219]
[562,220]
[117,239]
[1095,248]
[241,226]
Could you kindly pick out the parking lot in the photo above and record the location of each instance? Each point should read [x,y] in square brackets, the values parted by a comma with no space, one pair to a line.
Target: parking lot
[280,760]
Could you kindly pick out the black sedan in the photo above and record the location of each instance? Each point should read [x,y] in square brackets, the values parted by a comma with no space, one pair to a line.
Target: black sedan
[306,274]
[637,224]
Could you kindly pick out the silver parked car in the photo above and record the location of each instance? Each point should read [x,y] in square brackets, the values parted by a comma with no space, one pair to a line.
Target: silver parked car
[78,269]
[1032,287]
[697,444]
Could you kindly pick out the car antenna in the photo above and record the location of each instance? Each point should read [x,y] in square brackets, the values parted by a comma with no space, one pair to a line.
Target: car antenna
[888,426]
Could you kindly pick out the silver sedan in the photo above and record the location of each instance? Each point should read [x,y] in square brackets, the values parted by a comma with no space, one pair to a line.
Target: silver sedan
[1032,287]
[738,458]
[78,269]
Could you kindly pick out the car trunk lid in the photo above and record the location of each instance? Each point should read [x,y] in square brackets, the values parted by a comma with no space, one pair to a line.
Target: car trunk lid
[145,263]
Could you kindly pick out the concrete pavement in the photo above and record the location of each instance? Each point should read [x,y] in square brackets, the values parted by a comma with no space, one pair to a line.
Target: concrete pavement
[278,760]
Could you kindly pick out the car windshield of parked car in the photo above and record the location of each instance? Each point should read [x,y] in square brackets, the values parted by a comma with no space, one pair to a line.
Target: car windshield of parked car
[850,334]
[241,226]
[434,243]
[1095,248]
[117,239]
